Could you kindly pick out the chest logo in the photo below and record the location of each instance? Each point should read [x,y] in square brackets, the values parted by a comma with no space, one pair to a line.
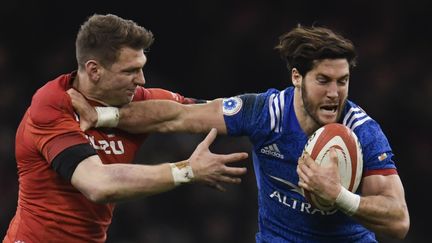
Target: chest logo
[272,150]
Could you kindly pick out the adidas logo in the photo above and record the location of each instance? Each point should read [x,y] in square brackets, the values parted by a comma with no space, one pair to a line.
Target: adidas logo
[272,150]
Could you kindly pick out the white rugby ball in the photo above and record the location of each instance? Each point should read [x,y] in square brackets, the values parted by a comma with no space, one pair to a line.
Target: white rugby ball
[349,153]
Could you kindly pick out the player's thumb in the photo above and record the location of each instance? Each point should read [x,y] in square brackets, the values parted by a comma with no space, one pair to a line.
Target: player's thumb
[333,156]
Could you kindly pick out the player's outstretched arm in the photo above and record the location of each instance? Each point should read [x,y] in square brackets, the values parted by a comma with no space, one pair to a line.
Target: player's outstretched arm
[151,116]
[114,182]
[381,207]
[169,116]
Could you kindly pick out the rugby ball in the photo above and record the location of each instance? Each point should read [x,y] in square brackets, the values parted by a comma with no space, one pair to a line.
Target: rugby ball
[349,154]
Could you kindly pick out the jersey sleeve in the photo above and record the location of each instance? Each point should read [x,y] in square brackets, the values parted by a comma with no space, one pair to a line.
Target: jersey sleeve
[162,94]
[52,124]
[377,153]
[248,115]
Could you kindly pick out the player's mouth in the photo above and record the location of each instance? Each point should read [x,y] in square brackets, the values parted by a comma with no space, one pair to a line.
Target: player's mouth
[329,110]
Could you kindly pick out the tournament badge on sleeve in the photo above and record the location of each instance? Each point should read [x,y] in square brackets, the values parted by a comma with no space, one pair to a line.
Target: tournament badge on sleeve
[232,106]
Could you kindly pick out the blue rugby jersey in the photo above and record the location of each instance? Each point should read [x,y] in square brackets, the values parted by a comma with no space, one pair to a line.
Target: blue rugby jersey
[284,215]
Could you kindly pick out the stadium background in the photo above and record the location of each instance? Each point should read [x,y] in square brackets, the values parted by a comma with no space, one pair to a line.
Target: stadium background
[210,49]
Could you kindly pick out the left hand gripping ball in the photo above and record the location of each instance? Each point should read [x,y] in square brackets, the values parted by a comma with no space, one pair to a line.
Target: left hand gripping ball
[350,157]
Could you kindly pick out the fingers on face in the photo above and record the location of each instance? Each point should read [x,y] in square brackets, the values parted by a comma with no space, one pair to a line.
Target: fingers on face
[71,91]
[74,94]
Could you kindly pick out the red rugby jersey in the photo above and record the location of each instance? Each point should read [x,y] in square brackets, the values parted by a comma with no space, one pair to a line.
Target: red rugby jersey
[49,208]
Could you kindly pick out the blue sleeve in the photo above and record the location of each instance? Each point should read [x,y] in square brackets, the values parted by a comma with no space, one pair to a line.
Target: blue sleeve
[377,153]
[245,115]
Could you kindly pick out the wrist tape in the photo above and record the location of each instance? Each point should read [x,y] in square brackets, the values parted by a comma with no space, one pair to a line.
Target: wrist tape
[107,116]
[181,172]
[347,201]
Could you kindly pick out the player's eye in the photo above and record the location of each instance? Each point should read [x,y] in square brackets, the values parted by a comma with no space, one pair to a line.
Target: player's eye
[343,81]
[322,80]
[132,71]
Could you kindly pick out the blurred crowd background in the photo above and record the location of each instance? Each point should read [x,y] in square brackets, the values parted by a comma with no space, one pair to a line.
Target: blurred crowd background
[210,49]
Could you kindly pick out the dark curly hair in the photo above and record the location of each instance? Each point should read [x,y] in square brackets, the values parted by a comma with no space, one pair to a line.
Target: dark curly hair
[303,45]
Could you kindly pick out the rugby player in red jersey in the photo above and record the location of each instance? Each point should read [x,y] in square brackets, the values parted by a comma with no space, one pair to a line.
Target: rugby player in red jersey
[68,179]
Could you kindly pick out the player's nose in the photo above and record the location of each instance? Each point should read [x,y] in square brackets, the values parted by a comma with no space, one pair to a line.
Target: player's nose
[140,80]
[332,90]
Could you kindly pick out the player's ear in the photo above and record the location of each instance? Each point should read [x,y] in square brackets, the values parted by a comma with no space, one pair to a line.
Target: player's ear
[296,78]
[93,70]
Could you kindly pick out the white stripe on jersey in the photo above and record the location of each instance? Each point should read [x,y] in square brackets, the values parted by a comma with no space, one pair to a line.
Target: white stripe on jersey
[276,107]
[358,123]
[282,106]
[278,113]
[355,117]
[272,116]
[293,186]
[349,114]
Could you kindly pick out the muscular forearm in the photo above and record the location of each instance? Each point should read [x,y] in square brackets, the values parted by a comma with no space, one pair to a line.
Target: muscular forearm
[384,214]
[169,116]
[150,116]
[115,182]
[126,181]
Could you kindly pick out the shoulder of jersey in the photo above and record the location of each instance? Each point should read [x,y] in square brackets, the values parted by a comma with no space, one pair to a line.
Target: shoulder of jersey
[355,116]
[276,108]
[49,103]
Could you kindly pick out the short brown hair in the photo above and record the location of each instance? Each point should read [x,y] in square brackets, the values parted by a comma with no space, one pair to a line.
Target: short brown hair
[102,36]
[302,46]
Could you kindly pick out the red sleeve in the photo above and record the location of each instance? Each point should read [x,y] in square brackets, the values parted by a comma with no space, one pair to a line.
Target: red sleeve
[52,123]
[384,172]
[161,94]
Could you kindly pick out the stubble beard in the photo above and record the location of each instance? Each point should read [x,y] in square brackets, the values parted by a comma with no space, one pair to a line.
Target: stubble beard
[308,107]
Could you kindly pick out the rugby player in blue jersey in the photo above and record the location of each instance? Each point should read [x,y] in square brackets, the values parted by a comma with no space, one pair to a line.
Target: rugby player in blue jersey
[278,124]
